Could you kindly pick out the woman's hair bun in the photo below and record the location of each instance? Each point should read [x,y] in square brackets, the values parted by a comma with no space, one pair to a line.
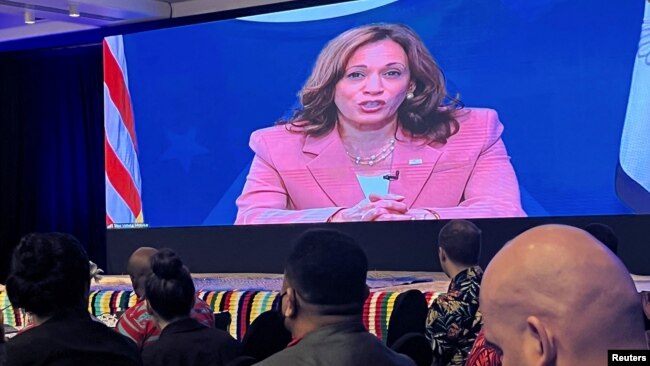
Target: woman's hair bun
[169,288]
[167,265]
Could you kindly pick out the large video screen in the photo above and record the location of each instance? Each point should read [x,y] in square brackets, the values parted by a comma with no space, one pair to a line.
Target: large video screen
[381,110]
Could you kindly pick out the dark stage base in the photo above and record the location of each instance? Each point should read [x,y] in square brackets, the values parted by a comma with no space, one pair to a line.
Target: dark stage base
[391,246]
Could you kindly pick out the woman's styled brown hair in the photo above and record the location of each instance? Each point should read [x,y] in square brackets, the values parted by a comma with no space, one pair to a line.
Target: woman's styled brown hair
[430,113]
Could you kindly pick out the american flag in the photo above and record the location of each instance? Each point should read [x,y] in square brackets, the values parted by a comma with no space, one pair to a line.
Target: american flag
[123,184]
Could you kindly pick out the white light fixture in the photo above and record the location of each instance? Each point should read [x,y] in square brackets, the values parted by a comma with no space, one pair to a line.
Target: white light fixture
[73,10]
[29,17]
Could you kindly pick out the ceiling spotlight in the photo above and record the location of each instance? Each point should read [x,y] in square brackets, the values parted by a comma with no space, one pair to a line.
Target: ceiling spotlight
[29,17]
[73,11]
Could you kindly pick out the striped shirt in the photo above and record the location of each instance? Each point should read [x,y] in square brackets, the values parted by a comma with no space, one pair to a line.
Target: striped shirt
[137,324]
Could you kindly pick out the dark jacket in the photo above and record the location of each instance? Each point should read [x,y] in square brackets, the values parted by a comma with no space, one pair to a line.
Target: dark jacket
[69,339]
[341,344]
[187,342]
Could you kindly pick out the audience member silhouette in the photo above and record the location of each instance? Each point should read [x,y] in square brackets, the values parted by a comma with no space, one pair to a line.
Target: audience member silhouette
[266,336]
[606,235]
[554,295]
[49,280]
[183,341]
[136,323]
[408,316]
[322,299]
[454,319]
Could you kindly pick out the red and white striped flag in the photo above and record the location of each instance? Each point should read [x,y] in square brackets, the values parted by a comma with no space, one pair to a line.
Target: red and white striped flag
[123,184]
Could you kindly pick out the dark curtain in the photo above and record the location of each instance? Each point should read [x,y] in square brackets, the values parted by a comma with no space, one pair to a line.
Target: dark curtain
[51,147]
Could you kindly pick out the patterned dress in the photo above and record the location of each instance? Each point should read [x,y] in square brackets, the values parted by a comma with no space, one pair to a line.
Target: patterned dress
[454,320]
[482,355]
[137,324]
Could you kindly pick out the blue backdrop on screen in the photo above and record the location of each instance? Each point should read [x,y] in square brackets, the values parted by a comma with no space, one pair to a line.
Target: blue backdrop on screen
[558,77]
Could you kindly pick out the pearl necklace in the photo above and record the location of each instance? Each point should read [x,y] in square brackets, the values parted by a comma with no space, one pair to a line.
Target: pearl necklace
[385,152]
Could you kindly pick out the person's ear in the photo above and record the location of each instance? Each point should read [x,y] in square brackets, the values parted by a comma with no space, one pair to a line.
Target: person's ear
[540,342]
[291,305]
[411,87]
[442,255]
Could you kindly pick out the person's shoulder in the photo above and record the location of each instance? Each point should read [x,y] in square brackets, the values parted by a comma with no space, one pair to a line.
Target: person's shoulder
[477,125]
[26,337]
[202,307]
[382,354]
[475,273]
[57,337]
[439,300]
[102,333]
[287,356]
[26,348]
[476,115]
[198,330]
[278,139]
[222,340]
[31,347]
[283,131]
[137,316]
[373,348]
[135,311]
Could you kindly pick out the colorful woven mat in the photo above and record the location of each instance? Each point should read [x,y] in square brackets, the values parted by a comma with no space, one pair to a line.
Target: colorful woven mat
[243,306]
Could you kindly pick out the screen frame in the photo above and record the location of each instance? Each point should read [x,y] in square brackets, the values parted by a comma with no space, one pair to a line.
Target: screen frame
[394,246]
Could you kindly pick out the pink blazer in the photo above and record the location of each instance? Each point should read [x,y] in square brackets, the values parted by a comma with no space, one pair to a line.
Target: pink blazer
[296,178]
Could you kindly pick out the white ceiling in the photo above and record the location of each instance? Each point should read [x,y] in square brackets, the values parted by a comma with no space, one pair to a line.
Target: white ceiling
[52,15]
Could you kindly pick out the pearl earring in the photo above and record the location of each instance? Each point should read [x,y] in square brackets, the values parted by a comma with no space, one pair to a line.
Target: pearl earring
[410,95]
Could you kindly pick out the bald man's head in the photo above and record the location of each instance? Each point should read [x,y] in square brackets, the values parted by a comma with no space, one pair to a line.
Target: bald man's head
[139,267]
[556,295]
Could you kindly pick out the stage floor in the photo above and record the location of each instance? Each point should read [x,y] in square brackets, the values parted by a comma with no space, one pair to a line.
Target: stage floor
[377,280]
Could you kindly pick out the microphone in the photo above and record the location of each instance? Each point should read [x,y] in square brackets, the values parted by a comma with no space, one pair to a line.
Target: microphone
[389,177]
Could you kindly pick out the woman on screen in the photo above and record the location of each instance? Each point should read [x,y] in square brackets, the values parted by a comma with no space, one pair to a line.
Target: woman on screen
[377,138]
